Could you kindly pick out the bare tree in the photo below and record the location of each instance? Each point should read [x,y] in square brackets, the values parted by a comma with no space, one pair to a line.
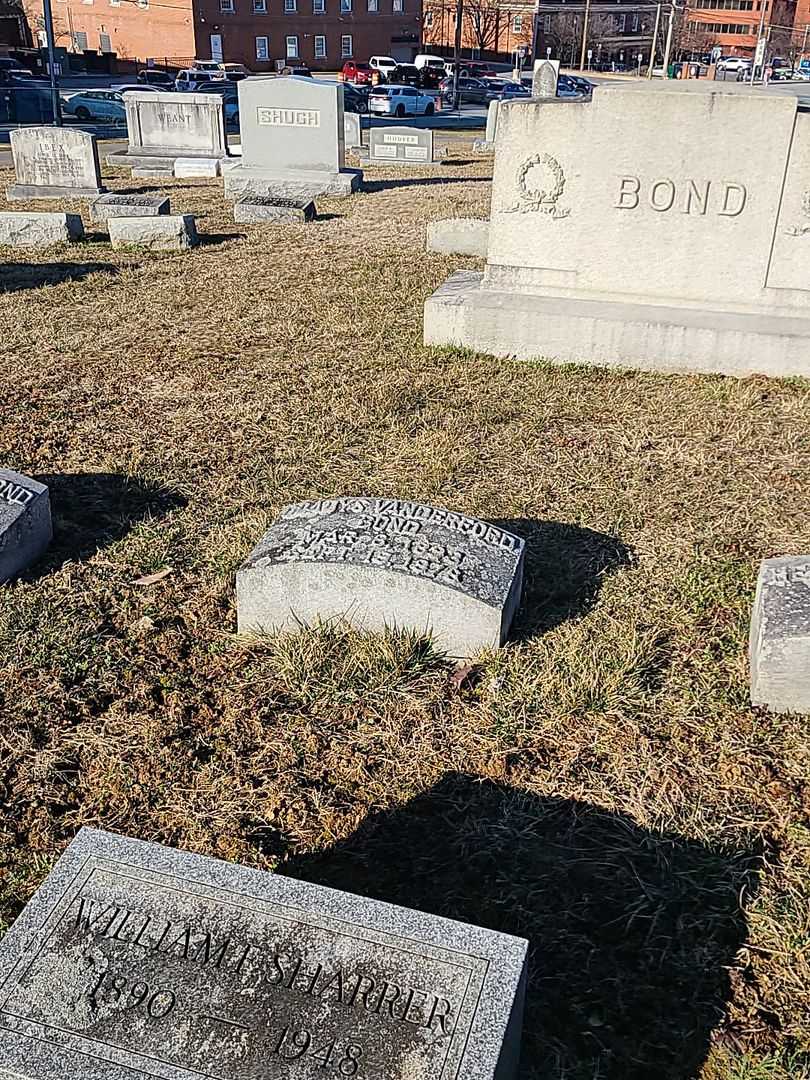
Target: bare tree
[688,38]
[36,23]
[483,19]
[564,36]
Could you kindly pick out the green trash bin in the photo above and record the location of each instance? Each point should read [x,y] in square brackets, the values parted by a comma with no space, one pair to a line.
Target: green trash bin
[671,70]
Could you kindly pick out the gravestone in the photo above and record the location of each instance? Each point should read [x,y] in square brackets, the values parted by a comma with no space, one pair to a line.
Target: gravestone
[352,131]
[25,523]
[166,126]
[545,78]
[487,144]
[458,236]
[780,636]
[108,206]
[167,232]
[292,140]
[205,168]
[28,229]
[255,209]
[54,163]
[401,146]
[627,230]
[384,563]
[135,961]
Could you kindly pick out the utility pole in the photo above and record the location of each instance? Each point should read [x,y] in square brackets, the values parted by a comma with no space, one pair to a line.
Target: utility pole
[655,43]
[668,46]
[56,103]
[759,39]
[584,35]
[457,53]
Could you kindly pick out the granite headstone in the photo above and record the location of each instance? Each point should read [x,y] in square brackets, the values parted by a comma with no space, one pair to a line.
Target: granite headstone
[107,206]
[54,163]
[135,961]
[25,522]
[166,126]
[780,636]
[544,79]
[352,131]
[292,140]
[384,563]
[401,146]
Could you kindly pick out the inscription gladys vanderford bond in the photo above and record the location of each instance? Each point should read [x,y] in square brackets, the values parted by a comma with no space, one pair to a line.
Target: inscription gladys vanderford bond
[412,538]
[14,494]
[159,972]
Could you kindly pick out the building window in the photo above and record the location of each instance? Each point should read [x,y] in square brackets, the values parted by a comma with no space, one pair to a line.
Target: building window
[399,6]
[115,3]
[143,3]
[634,28]
[262,48]
[292,47]
[318,7]
[79,40]
[517,24]
[227,6]
[320,47]
[621,24]
[290,7]
[373,5]
[546,24]
[345,6]
[260,7]
[104,43]
[346,46]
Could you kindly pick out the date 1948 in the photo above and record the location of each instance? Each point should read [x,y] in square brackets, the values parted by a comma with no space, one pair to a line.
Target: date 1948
[294,1044]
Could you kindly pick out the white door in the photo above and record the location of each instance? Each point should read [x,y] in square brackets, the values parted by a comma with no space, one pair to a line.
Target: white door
[216,47]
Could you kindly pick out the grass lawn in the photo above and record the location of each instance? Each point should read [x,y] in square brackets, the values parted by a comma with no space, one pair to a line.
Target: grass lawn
[600,785]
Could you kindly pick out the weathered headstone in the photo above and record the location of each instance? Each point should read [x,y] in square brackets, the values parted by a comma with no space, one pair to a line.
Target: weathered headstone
[401,146]
[617,240]
[352,131]
[384,563]
[25,526]
[168,232]
[107,206]
[135,961]
[487,144]
[544,79]
[29,229]
[166,126]
[54,163]
[780,636]
[292,140]
[254,209]
[458,236]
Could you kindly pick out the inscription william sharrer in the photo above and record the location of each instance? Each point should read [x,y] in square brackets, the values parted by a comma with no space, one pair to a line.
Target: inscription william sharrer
[159,972]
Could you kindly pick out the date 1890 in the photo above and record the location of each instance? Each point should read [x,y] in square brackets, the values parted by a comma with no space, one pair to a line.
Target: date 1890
[294,1044]
[111,989]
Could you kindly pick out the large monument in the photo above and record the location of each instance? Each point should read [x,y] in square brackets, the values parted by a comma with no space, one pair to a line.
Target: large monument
[166,126]
[631,230]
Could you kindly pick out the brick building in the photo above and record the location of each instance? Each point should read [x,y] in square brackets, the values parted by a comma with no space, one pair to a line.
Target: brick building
[256,33]
[733,25]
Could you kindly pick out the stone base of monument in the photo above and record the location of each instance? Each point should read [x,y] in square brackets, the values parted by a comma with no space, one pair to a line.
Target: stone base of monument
[25,522]
[466,312]
[780,636]
[241,182]
[458,236]
[384,563]
[122,159]
[28,192]
[255,209]
[23,228]
[201,168]
[128,206]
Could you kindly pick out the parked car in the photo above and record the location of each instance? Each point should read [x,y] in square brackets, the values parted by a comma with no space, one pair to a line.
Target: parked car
[431,69]
[155,77]
[299,71]
[507,91]
[104,105]
[733,64]
[230,97]
[470,69]
[383,65]
[396,100]
[213,66]
[567,88]
[15,68]
[583,85]
[192,79]
[129,87]
[470,92]
[406,75]
[356,72]
[355,99]
[235,72]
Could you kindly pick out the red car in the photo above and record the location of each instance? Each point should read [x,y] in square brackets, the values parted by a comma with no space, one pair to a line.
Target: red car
[356,73]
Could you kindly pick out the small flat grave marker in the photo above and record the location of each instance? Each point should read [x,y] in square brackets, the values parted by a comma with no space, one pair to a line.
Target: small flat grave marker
[136,961]
[780,636]
[25,522]
[401,146]
[384,562]
[258,208]
[107,206]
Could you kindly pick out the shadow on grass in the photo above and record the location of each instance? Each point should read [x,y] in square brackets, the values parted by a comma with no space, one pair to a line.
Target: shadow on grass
[213,239]
[418,181]
[565,566]
[631,932]
[16,277]
[90,511]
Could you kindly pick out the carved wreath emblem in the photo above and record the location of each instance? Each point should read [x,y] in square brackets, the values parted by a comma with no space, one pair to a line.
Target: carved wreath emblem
[543,199]
[800,230]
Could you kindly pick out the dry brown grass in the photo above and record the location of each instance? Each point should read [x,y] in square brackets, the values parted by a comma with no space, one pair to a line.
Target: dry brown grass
[601,785]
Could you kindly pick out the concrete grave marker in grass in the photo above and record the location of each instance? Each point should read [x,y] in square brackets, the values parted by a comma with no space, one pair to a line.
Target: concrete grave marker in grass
[135,961]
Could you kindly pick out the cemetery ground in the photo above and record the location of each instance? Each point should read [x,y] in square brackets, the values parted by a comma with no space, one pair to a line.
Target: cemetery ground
[600,786]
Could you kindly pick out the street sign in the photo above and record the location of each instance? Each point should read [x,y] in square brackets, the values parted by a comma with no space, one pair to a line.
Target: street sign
[759,55]
[590,54]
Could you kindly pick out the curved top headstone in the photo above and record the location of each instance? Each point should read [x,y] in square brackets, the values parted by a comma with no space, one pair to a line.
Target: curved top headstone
[384,562]
[56,157]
